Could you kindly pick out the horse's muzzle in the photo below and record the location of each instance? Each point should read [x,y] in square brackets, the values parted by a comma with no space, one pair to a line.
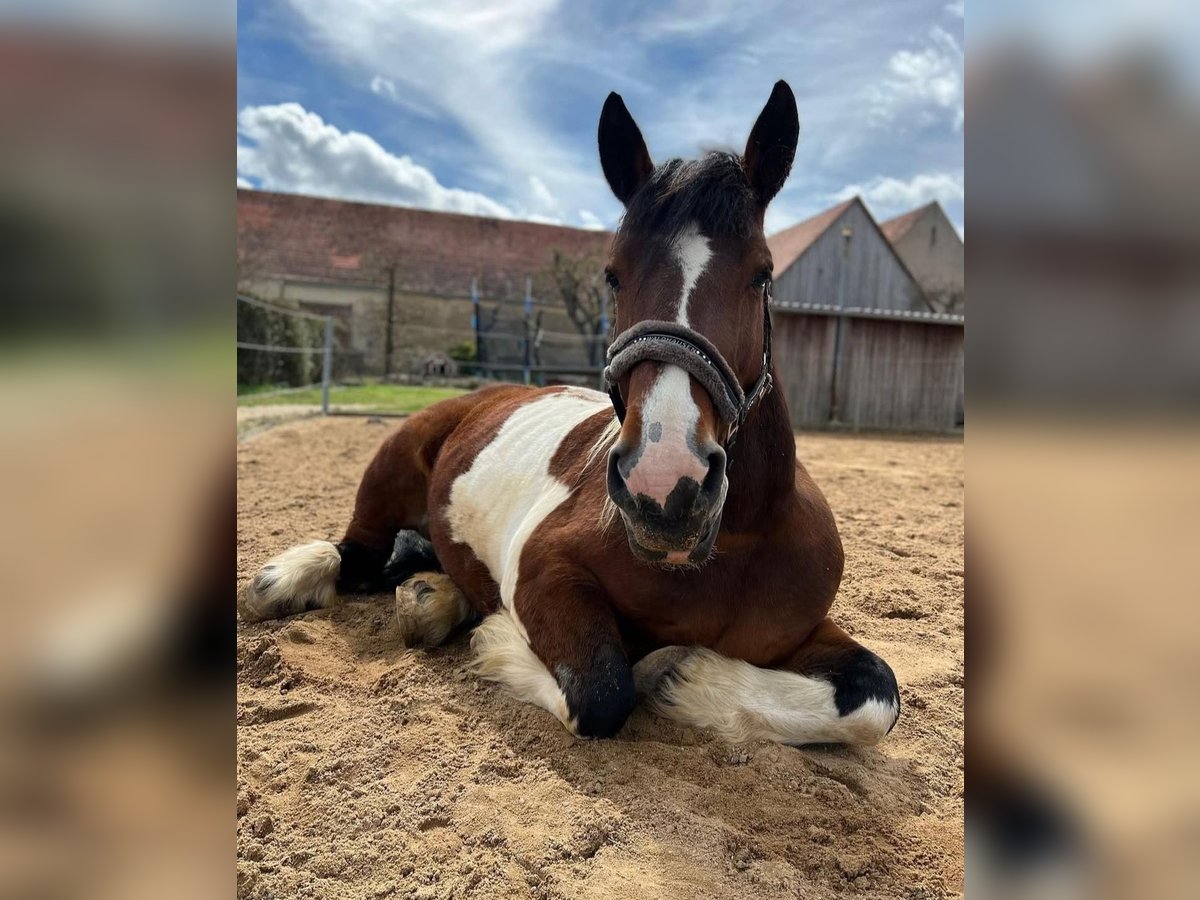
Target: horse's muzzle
[680,530]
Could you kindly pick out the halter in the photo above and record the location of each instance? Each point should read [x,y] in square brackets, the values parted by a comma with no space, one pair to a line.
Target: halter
[679,345]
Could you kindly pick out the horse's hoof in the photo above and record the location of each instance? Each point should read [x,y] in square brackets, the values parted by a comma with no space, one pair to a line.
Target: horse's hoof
[428,607]
[656,669]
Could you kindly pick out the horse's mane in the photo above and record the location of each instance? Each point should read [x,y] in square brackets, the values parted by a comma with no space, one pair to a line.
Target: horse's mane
[711,192]
[597,451]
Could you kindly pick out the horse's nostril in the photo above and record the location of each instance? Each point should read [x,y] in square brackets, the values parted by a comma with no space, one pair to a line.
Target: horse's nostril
[616,478]
[716,471]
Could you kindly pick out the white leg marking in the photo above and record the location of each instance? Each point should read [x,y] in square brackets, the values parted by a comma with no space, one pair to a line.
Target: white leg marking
[508,491]
[428,607]
[741,702]
[299,578]
[692,253]
[503,655]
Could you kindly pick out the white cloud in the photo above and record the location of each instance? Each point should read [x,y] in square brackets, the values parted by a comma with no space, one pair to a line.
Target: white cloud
[492,81]
[930,76]
[471,65]
[243,183]
[957,8]
[542,198]
[384,87]
[890,196]
[590,220]
[295,150]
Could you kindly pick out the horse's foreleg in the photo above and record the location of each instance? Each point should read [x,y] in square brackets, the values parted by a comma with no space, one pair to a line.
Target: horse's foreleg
[558,647]
[382,546]
[831,689]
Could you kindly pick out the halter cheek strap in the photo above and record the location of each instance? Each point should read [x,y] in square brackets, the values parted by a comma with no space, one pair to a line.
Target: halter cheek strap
[679,345]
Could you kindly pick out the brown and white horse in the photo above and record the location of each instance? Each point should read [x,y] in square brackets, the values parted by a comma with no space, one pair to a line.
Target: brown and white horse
[675,550]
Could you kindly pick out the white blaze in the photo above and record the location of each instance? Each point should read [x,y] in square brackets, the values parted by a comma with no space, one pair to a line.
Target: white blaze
[669,414]
[692,253]
[669,419]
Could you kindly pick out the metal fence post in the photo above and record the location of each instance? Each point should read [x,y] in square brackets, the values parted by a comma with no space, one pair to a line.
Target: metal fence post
[477,327]
[327,365]
[528,328]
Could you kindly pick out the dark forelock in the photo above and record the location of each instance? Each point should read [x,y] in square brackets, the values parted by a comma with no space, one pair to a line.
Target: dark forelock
[712,192]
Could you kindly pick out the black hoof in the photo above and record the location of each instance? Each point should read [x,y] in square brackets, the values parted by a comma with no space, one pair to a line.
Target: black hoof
[864,677]
[411,554]
[600,699]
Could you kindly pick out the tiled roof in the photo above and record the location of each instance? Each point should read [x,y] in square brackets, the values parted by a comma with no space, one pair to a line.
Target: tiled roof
[789,245]
[311,238]
[895,229]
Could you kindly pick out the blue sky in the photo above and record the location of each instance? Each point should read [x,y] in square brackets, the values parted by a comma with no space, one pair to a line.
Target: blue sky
[491,107]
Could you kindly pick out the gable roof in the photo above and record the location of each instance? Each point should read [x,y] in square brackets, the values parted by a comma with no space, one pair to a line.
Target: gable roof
[895,229]
[789,245]
[338,241]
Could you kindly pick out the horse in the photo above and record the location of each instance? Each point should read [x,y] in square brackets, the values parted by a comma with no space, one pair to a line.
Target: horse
[658,543]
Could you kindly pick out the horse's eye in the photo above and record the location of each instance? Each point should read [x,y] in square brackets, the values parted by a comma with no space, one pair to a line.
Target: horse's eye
[611,277]
[761,280]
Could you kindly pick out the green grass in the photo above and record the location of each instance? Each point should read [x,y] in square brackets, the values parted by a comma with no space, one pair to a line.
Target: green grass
[393,398]
[245,390]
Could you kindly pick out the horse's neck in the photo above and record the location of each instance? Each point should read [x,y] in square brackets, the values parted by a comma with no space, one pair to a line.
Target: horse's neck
[762,473]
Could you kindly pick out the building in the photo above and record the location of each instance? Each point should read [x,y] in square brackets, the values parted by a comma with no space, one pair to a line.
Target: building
[840,258]
[928,244]
[343,259]
[857,342]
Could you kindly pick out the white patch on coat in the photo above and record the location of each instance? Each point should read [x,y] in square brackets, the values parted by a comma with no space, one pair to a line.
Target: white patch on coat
[508,491]
[299,578]
[494,507]
[692,253]
[742,702]
[669,419]
[503,655]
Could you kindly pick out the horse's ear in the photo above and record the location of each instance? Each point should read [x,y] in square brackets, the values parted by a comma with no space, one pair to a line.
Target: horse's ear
[772,143]
[623,154]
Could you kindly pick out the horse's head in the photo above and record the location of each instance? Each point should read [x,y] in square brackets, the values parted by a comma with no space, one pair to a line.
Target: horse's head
[691,274]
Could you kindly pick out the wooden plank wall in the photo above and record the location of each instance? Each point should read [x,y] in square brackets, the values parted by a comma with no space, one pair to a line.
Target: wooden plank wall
[802,347]
[895,376]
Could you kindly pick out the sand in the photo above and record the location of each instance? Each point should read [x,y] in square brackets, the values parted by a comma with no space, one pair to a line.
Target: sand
[366,770]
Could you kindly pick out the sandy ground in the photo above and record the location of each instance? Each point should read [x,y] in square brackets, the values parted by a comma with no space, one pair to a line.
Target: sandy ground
[369,771]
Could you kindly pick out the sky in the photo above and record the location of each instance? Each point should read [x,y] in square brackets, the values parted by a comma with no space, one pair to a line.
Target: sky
[490,107]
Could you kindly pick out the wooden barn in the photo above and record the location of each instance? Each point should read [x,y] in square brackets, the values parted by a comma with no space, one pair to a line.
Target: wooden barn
[840,257]
[928,243]
[857,343]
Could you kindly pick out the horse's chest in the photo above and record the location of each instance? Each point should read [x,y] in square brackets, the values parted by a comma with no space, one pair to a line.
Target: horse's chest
[508,489]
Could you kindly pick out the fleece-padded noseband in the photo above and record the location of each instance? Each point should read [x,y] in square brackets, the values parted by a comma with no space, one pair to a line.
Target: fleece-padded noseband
[679,345]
